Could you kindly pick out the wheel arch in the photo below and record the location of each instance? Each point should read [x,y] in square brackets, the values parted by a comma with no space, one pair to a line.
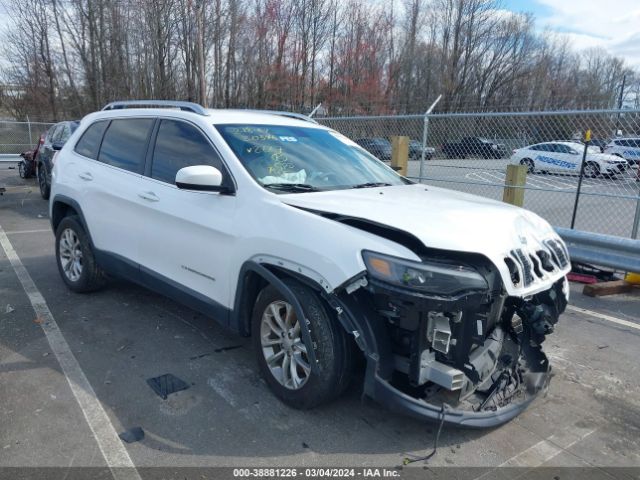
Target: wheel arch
[252,279]
[255,276]
[63,206]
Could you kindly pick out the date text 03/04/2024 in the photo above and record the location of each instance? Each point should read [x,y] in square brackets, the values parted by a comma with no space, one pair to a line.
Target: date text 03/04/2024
[368,472]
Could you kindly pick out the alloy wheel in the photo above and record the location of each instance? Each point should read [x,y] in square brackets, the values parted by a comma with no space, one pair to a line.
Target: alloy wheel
[591,170]
[70,255]
[282,346]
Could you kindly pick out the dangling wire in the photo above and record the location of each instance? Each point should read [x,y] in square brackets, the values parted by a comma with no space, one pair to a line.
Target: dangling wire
[407,460]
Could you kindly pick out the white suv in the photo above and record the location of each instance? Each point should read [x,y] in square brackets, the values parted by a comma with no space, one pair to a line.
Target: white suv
[289,232]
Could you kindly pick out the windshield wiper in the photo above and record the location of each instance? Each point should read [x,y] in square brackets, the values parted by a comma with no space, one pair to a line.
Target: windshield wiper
[371,184]
[293,187]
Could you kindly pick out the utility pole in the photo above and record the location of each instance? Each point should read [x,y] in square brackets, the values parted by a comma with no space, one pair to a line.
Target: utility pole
[620,98]
[624,80]
[200,50]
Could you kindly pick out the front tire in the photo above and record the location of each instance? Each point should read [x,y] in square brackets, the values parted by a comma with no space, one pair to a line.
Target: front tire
[282,354]
[75,258]
[22,170]
[591,169]
[45,188]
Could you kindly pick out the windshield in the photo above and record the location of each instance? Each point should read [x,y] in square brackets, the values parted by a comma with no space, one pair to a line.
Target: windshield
[298,159]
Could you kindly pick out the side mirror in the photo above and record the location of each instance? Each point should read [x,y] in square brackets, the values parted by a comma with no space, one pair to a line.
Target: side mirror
[204,178]
[57,145]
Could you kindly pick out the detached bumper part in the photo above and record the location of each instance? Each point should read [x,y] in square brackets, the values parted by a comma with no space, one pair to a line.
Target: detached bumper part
[474,360]
[384,393]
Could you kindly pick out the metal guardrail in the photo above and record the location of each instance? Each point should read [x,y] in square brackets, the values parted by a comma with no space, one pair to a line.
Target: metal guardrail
[9,158]
[604,250]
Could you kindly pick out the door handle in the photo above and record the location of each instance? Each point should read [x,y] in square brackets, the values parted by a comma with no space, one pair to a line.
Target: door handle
[86,176]
[149,196]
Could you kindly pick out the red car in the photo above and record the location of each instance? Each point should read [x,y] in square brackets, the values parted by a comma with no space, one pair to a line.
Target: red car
[27,166]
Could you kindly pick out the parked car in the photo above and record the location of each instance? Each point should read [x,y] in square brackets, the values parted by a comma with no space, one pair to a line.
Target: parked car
[566,157]
[27,166]
[627,148]
[54,140]
[287,231]
[378,147]
[474,147]
[415,151]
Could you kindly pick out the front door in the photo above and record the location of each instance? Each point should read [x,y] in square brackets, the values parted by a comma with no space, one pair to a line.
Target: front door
[188,236]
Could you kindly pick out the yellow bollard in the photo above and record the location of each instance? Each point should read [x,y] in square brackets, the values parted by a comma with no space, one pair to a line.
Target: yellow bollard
[632,278]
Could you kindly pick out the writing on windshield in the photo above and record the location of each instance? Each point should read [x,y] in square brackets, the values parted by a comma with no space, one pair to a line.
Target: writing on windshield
[305,158]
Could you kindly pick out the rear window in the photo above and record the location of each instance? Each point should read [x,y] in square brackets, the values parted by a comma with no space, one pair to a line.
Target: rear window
[125,143]
[89,143]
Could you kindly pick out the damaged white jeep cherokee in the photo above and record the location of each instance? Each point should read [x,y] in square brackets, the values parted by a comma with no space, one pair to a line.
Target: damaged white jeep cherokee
[287,231]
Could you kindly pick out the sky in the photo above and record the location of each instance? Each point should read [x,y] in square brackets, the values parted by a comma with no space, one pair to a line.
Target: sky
[611,24]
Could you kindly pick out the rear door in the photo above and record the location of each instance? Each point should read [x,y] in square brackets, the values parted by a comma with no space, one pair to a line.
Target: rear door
[111,184]
[187,236]
[568,158]
[548,157]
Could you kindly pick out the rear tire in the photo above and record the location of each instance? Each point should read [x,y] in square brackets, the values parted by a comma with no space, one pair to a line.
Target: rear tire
[75,258]
[531,166]
[288,371]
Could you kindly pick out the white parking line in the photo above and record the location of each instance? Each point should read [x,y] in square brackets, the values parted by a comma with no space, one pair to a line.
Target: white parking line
[545,450]
[603,316]
[19,232]
[113,451]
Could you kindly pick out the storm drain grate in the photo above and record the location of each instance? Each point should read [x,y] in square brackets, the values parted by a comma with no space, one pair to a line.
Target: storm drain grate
[166,385]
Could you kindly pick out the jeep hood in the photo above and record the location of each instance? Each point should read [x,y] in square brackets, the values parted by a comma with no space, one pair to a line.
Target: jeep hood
[443,219]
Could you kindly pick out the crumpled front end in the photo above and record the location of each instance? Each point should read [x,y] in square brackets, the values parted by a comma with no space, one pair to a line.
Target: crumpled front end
[471,356]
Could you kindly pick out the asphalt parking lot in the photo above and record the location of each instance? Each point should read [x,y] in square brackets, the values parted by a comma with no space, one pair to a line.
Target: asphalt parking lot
[124,335]
[606,206]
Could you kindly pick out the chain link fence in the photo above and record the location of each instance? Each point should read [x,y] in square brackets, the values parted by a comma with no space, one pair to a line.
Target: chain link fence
[16,137]
[470,153]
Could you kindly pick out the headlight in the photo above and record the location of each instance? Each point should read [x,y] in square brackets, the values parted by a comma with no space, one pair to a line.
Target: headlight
[495,147]
[427,277]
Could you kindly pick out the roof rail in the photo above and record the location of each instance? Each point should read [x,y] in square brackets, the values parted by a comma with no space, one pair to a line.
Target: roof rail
[185,106]
[298,116]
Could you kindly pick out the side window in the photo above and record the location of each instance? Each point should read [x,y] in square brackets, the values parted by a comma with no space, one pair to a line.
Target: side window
[125,143]
[180,145]
[623,143]
[537,148]
[54,133]
[65,133]
[89,143]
